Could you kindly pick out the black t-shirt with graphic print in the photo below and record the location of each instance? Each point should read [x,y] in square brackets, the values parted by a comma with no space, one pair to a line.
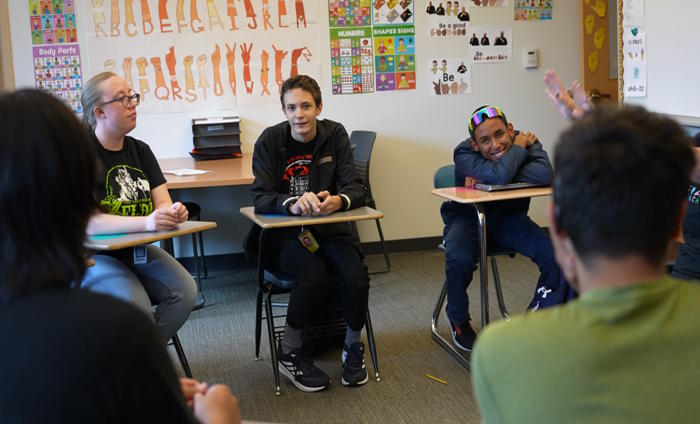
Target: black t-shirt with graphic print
[124,183]
[296,171]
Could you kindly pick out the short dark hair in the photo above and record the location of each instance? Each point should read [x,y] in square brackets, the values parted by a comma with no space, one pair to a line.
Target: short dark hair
[620,177]
[303,82]
[47,176]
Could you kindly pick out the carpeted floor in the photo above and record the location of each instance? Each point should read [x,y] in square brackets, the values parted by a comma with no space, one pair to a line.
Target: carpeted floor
[219,343]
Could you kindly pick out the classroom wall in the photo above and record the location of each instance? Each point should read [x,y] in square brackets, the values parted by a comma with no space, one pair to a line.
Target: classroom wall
[417,132]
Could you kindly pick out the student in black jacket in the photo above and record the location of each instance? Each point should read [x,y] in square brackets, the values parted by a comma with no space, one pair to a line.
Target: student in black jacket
[304,166]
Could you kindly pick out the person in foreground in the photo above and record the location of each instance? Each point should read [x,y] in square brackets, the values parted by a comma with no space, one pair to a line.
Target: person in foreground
[71,355]
[573,103]
[626,349]
[496,153]
[132,197]
[304,166]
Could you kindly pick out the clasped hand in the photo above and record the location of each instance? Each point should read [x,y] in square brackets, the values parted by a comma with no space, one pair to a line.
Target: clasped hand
[167,217]
[311,204]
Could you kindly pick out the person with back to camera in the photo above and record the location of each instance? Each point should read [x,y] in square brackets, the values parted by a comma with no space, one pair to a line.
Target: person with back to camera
[72,355]
[132,197]
[496,154]
[573,103]
[304,166]
[626,349]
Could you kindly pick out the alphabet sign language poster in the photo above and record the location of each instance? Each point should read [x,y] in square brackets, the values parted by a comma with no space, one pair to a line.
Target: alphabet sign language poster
[488,44]
[187,55]
[450,76]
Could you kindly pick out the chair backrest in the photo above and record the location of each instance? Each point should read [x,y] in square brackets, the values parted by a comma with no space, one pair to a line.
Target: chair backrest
[444,177]
[362,143]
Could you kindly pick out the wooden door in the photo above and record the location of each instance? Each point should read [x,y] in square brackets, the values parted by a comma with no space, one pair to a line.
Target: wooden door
[595,32]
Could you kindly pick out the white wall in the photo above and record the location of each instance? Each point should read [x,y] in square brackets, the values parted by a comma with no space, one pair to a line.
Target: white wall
[416,131]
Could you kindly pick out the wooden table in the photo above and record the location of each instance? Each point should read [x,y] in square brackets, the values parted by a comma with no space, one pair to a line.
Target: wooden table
[224,172]
[478,198]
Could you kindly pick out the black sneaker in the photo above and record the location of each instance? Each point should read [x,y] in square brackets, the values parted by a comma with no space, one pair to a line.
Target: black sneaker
[301,371]
[354,371]
[463,335]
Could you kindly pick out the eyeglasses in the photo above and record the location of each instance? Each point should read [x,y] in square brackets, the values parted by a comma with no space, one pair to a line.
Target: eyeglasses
[126,101]
[486,112]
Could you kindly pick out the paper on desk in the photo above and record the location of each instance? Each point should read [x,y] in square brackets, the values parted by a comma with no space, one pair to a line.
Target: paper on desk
[185,171]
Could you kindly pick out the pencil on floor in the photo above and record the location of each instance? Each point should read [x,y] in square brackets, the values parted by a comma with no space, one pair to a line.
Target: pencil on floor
[439,380]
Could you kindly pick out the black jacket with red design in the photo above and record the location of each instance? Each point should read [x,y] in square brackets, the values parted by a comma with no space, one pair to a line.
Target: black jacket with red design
[332,168]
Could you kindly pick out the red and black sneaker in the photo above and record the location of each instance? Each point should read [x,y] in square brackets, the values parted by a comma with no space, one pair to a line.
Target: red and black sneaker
[463,335]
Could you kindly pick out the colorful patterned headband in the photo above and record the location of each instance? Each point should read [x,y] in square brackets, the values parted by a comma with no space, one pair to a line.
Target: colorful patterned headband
[482,114]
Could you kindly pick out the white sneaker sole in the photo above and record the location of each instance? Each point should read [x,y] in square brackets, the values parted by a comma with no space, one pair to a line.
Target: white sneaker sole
[284,371]
[359,383]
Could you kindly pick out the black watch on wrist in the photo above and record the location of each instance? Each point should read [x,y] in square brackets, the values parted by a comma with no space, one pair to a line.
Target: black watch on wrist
[345,202]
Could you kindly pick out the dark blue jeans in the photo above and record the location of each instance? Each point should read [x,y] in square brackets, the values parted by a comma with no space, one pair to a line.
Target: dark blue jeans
[509,230]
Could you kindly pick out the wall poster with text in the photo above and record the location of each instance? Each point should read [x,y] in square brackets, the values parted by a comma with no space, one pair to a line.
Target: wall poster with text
[351,60]
[448,20]
[491,44]
[450,76]
[395,57]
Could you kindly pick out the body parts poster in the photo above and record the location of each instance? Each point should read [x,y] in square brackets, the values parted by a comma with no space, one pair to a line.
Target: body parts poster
[533,10]
[634,62]
[393,12]
[57,70]
[349,13]
[395,57]
[52,21]
[448,19]
[490,44]
[219,54]
[491,3]
[352,69]
[450,76]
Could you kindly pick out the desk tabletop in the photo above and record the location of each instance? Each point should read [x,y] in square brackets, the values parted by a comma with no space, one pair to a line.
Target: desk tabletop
[121,241]
[280,221]
[467,195]
[224,172]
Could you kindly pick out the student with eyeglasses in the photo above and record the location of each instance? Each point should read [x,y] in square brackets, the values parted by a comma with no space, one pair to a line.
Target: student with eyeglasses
[132,197]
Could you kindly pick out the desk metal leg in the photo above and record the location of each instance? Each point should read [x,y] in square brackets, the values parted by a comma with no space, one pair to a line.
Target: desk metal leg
[201,301]
[483,265]
[268,312]
[438,338]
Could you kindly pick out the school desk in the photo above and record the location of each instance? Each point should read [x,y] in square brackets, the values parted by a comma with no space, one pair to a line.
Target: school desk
[269,222]
[478,198]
